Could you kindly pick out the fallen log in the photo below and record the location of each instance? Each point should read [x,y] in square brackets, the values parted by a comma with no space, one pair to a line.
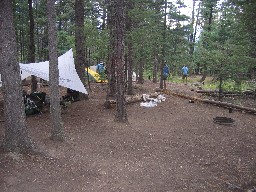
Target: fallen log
[230,95]
[229,105]
[247,92]
[218,103]
[215,91]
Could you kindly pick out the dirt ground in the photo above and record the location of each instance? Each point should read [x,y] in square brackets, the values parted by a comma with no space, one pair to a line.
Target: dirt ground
[172,147]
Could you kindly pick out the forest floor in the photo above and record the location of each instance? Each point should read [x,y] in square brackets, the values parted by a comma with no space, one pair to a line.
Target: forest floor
[174,146]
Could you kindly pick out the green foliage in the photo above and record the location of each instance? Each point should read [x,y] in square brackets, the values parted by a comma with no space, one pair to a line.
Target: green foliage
[65,42]
[225,49]
[97,42]
[231,85]
[149,36]
[22,28]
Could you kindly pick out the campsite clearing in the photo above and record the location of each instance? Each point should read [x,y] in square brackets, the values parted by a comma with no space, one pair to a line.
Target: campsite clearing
[174,146]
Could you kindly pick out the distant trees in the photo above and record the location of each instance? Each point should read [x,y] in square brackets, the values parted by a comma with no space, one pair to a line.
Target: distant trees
[208,7]
[144,38]
[223,49]
[246,16]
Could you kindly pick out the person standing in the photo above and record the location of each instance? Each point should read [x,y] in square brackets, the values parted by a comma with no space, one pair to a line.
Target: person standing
[166,72]
[184,70]
[100,69]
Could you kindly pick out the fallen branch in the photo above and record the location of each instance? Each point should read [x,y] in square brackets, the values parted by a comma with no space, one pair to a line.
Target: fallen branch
[228,93]
[215,91]
[218,103]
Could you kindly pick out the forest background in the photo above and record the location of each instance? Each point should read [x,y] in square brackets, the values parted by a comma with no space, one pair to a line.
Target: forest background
[218,38]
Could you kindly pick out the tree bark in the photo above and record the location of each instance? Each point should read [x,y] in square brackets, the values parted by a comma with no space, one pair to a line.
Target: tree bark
[157,45]
[140,79]
[197,21]
[31,50]
[129,68]
[129,49]
[163,60]
[16,135]
[119,21]
[155,69]
[104,15]
[110,67]
[194,36]
[203,77]
[191,39]
[209,6]
[80,60]
[55,108]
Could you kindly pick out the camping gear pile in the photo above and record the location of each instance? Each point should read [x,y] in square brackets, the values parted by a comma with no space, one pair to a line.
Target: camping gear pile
[72,96]
[35,102]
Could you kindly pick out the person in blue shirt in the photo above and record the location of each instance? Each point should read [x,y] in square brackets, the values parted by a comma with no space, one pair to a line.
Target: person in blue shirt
[184,70]
[166,72]
[100,69]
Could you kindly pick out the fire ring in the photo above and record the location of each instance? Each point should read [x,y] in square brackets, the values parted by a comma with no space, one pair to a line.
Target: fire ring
[223,120]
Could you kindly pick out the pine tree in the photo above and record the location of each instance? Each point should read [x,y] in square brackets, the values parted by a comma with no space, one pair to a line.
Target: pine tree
[80,42]
[16,135]
[55,108]
[118,58]
[31,50]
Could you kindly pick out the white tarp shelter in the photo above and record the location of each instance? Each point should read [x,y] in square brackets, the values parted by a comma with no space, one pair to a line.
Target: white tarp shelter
[68,76]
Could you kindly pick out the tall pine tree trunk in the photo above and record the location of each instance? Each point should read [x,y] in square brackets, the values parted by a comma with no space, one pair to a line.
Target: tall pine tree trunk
[155,69]
[80,42]
[129,68]
[31,50]
[104,14]
[119,21]
[129,49]
[16,136]
[163,60]
[55,108]
[208,16]
[110,67]
[195,33]
[191,39]
[140,71]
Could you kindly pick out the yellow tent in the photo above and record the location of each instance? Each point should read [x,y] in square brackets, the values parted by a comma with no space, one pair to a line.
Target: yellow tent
[95,76]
